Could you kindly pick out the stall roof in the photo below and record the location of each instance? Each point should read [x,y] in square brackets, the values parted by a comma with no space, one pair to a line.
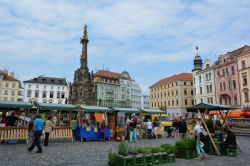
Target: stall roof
[87,108]
[153,111]
[209,107]
[15,105]
[58,107]
[127,110]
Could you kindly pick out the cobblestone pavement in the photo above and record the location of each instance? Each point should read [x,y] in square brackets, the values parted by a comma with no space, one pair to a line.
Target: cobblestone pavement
[95,153]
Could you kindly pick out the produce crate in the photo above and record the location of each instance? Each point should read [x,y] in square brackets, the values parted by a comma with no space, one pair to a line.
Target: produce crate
[171,158]
[231,151]
[148,160]
[186,154]
[125,160]
[139,160]
[157,158]
[164,157]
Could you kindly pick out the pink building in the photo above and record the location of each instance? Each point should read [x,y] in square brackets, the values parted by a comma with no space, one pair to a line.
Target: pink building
[226,79]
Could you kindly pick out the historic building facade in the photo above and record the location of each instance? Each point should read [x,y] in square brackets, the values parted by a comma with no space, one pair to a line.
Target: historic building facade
[136,95]
[145,102]
[9,86]
[82,90]
[173,94]
[46,90]
[203,81]
[243,61]
[226,79]
[113,89]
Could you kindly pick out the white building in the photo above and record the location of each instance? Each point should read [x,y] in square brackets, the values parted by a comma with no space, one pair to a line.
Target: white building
[46,90]
[145,102]
[136,96]
[203,84]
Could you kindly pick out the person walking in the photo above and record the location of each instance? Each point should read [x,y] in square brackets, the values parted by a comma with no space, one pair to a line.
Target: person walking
[149,127]
[48,128]
[38,128]
[155,127]
[182,128]
[199,146]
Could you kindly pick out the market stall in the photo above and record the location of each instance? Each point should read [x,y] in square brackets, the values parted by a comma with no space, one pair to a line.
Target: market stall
[122,113]
[12,127]
[96,122]
[202,109]
[62,115]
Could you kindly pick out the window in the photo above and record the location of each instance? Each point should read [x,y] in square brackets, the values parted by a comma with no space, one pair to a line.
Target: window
[185,92]
[51,87]
[44,94]
[58,95]
[6,85]
[172,102]
[208,100]
[221,86]
[207,89]
[223,72]
[235,100]
[51,95]
[211,100]
[6,92]
[246,95]
[37,86]
[224,86]
[244,78]
[199,79]
[192,92]
[200,90]
[227,71]
[36,94]
[5,98]
[13,85]
[63,95]
[62,88]
[29,93]
[210,88]
[186,102]
[234,84]
[194,80]
[218,73]
[229,85]
[185,83]
[58,87]
[243,64]
[13,93]
[44,87]
[176,92]
[29,86]
[232,70]
[12,99]
[177,102]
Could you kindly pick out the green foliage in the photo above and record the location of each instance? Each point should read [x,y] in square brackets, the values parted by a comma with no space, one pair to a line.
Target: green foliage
[185,144]
[112,158]
[145,150]
[169,148]
[156,149]
[123,148]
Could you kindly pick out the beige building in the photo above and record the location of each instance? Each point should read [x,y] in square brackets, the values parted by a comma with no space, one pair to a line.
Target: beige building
[9,86]
[174,94]
[243,64]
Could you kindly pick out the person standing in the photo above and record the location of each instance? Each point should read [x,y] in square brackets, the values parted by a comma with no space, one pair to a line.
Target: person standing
[182,128]
[199,145]
[149,127]
[48,128]
[38,128]
[132,132]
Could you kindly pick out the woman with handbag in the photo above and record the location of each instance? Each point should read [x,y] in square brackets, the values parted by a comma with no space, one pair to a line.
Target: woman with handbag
[48,129]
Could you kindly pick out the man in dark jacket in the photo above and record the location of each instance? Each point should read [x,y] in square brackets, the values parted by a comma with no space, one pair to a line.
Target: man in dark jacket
[182,127]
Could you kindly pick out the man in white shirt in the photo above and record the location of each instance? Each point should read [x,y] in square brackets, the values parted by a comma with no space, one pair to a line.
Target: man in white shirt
[149,127]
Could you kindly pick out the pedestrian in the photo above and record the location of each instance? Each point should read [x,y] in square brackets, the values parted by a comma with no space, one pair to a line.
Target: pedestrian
[155,127]
[73,124]
[11,120]
[182,126]
[175,127]
[103,126]
[149,127]
[48,128]
[199,146]
[38,128]
[132,126]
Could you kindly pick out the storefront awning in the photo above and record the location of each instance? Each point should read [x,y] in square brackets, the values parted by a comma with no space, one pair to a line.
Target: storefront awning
[153,111]
[86,108]
[127,110]
[15,105]
[209,107]
[58,107]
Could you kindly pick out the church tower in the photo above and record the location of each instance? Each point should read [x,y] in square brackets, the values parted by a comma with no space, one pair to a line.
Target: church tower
[197,62]
[82,90]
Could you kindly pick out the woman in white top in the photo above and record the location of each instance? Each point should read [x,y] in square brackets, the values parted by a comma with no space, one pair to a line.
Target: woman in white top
[149,127]
[48,128]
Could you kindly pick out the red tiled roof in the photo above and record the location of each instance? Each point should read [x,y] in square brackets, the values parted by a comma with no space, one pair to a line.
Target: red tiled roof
[181,76]
[9,78]
[239,50]
[107,74]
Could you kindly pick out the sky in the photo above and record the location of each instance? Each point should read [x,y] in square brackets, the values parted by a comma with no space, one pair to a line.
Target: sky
[149,39]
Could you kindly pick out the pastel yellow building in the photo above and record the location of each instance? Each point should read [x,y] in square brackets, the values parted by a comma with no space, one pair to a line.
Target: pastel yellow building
[9,86]
[173,94]
[243,63]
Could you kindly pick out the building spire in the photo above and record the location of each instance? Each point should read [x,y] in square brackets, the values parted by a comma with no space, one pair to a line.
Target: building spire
[85,32]
[197,48]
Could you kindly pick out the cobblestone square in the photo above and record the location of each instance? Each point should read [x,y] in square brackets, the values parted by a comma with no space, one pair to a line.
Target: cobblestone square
[96,154]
